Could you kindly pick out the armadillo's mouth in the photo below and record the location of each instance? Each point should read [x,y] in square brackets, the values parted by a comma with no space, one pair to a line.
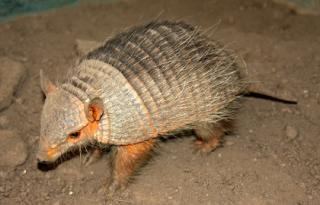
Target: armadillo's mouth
[60,153]
[46,164]
[50,158]
[51,154]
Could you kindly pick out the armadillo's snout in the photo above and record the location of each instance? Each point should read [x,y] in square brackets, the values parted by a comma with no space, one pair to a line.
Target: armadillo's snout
[42,156]
[43,162]
[47,154]
[45,165]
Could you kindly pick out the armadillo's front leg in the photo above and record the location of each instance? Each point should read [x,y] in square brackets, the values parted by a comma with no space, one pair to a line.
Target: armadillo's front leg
[93,156]
[126,161]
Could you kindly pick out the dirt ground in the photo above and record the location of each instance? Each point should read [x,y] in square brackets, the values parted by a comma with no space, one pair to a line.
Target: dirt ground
[273,157]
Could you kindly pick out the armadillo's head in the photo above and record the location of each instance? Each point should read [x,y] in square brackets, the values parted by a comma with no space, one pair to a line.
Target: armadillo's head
[66,122]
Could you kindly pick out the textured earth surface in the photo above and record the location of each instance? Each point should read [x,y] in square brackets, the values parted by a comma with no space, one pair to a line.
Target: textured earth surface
[273,156]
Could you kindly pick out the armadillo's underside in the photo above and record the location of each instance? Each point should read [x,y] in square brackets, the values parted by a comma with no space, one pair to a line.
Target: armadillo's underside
[157,78]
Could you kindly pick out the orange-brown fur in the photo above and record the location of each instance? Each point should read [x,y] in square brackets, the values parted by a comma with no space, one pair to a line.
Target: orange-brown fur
[51,152]
[86,132]
[127,159]
[209,135]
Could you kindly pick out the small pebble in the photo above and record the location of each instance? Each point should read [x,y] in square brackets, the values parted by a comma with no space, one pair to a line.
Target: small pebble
[229,143]
[20,101]
[56,203]
[291,132]
[302,185]
[3,174]
[3,121]
[9,82]
[286,110]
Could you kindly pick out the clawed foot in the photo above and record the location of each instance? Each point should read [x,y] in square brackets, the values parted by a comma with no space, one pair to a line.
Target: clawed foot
[114,187]
[206,147]
[115,190]
[92,157]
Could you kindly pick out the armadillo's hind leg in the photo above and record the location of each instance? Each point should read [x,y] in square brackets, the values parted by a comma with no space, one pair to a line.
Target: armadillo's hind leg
[126,161]
[209,135]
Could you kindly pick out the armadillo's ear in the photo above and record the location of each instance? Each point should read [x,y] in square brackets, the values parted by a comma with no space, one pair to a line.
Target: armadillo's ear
[46,85]
[94,109]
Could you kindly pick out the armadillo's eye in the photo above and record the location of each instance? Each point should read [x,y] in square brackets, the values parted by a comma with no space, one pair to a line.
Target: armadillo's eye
[74,135]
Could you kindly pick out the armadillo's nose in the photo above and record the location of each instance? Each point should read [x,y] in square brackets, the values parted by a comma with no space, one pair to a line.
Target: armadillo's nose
[41,157]
[45,165]
[42,150]
[46,153]
[44,161]
[40,161]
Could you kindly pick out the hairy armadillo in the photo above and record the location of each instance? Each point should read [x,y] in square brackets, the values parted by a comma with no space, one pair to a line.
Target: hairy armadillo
[146,82]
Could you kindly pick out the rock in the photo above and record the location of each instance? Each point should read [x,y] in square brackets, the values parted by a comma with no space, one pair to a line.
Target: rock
[4,121]
[56,203]
[229,143]
[13,150]
[304,7]
[85,46]
[291,132]
[11,74]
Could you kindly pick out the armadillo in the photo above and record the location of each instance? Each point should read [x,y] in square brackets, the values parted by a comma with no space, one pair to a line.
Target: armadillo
[143,83]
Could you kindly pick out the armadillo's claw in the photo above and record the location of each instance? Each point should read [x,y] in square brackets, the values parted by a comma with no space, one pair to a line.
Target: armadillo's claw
[113,187]
[206,147]
[116,190]
[92,157]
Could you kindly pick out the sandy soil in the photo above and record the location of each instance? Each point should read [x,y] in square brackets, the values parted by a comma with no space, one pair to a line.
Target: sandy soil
[273,157]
